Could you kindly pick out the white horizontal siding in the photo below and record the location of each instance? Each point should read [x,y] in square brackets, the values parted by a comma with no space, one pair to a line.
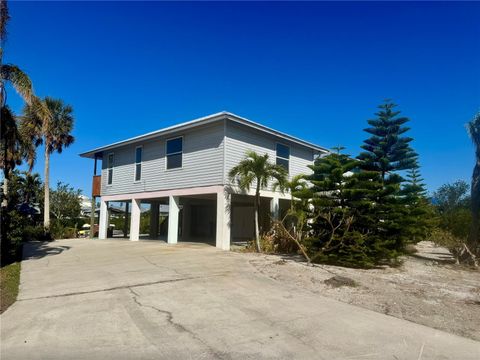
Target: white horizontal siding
[202,163]
[240,138]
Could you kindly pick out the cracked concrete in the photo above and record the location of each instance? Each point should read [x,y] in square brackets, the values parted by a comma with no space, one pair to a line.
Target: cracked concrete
[147,300]
[213,354]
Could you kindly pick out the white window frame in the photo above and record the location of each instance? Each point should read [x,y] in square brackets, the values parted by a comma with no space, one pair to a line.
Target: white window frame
[289,154]
[180,152]
[141,165]
[110,168]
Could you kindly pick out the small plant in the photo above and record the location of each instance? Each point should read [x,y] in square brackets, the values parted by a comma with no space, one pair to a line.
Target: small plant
[339,281]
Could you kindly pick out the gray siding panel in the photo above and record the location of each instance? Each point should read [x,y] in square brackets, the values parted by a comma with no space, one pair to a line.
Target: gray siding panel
[202,163]
[240,138]
[209,153]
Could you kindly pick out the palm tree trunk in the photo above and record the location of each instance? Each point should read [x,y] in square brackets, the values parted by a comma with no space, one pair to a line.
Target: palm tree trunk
[475,207]
[256,209]
[5,191]
[46,204]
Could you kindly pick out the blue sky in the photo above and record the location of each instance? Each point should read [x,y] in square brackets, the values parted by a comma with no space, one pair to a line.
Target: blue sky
[314,70]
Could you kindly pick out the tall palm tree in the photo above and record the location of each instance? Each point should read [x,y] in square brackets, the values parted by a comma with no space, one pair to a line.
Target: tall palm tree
[256,170]
[11,144]
[9,72]
[51,128]
[473,128]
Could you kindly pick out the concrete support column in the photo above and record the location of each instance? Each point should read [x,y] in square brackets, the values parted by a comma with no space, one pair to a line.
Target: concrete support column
[154,214]
[125,222]
[135,220]
[103,220]
[275,208]
[223,220]
[173,209]
[186,220]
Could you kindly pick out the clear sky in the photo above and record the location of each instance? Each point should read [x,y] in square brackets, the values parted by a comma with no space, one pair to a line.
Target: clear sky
[314,70]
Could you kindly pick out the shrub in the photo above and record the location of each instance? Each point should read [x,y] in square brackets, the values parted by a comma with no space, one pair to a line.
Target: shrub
[456,245]
[35,233]
[59,231]
[275,241]
[12,230]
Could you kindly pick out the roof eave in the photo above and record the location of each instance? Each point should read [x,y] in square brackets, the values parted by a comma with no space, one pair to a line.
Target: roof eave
[202,121]
[151,135]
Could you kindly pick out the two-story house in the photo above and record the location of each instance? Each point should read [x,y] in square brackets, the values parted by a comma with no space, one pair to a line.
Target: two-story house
[182,171]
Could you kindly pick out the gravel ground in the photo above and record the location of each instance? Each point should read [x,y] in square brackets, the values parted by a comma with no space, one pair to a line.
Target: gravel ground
[427,289]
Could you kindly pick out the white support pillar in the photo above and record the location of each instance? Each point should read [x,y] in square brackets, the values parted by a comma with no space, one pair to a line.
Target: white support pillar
[275,208]
[173,209]
[135,220]
[223,220]
[154,214]
[186,216]
[103,220]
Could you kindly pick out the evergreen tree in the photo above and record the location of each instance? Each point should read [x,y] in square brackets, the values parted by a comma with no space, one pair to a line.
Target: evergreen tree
[340,213]
[419,217]
[386,153]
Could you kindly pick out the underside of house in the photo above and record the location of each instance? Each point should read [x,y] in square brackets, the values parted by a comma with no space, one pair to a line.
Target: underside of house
[213,216]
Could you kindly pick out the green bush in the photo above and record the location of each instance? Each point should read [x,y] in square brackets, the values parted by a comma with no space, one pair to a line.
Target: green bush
[13,224]
[457,221]
[58,230]
[35,233]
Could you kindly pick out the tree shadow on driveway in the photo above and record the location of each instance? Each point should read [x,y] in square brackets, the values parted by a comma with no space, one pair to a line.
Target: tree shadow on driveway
[41,249]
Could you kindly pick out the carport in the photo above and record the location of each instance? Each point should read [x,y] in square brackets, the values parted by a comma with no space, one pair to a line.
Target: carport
[182,215]
[214,215]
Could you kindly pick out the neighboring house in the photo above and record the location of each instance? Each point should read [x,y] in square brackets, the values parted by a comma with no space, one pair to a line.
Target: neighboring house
[85,205]
[186,167]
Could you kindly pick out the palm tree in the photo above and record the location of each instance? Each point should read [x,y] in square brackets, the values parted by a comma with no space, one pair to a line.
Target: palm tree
[473,128]
[30,184]
[51,128]
[10,148]
[11,144]
[256,170]
[298,184]
[8,72]
[297,215]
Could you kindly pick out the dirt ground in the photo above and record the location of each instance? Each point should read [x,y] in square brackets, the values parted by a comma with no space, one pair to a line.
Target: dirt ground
[427,289]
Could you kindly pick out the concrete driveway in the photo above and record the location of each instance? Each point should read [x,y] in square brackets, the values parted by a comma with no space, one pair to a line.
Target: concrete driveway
[115,299]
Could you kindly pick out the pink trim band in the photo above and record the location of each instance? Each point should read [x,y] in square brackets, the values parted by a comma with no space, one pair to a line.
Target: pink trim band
[165,193]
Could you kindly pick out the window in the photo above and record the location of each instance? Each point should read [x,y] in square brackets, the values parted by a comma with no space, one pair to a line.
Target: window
[110,164]
[174,153]
[283,155]
[138,163]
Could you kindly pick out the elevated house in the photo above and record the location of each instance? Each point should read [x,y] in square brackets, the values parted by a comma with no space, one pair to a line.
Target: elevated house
[186,167]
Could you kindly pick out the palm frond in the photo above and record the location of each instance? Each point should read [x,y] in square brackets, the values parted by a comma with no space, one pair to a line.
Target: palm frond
[473,129]
[19,80]
[48,121]
[10,152]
